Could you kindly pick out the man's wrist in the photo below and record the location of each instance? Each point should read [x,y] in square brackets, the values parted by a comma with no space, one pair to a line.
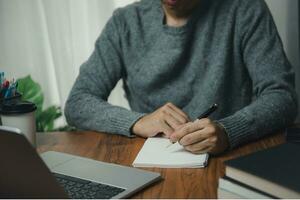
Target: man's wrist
[224,136]
[135,128]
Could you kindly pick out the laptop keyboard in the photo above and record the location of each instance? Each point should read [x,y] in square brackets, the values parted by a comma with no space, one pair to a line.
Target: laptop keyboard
[81,189]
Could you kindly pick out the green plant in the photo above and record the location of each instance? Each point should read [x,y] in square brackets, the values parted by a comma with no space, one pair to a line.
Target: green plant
[31,91]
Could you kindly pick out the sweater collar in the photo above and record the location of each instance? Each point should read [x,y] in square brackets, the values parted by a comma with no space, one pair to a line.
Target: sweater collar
[160,13]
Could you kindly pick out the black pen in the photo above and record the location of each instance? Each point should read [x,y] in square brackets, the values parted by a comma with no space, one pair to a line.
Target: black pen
[206,114]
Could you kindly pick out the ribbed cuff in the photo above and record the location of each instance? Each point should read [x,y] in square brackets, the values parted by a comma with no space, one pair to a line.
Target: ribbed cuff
[238,129]
[124,123]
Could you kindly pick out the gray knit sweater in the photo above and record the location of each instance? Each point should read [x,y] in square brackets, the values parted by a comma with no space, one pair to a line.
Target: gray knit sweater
[228,53]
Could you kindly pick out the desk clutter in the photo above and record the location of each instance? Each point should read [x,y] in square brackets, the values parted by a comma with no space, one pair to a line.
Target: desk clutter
[15,112]
[8,89]
[271,173]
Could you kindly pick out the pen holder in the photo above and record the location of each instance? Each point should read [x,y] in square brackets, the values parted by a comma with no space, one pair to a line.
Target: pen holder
[11,100]
[21,115]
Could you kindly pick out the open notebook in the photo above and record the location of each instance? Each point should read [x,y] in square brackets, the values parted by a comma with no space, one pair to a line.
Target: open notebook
[156,152]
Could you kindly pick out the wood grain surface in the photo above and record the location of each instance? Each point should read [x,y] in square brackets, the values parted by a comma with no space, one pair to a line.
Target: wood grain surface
[176,183]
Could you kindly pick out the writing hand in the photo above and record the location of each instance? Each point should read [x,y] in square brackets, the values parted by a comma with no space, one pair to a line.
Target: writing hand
[202,136]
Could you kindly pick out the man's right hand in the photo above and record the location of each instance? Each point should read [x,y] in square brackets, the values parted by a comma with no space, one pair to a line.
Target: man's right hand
[164,120]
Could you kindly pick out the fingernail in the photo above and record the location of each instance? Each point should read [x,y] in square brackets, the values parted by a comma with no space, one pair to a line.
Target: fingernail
[172,136]
[173,139]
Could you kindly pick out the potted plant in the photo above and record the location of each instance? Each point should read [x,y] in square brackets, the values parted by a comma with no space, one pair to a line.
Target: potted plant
[45,118]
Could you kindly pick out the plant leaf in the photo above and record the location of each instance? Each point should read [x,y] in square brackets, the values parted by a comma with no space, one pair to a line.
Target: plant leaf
[46,118]
[31,91]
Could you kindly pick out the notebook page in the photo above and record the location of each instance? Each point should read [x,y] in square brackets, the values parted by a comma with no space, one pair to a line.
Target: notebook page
[157,153]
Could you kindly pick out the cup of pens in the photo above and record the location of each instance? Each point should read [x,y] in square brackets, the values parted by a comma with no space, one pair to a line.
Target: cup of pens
[15,112]
[8,90]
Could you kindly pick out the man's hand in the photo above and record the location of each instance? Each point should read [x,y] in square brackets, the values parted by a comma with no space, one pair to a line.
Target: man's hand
[164,120]
[202,136]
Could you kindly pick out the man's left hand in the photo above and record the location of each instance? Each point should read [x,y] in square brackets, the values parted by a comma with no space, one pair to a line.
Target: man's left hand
[202,136]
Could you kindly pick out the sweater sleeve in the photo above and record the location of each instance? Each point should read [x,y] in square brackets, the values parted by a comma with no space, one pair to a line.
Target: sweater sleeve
[275,104]
[87,107]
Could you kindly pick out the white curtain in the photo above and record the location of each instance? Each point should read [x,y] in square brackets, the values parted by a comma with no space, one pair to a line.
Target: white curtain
[50,39]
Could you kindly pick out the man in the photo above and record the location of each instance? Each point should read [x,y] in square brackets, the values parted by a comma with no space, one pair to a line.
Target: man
[177,58]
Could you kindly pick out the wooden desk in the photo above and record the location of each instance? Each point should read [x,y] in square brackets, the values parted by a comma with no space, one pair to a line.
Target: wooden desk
[177,183]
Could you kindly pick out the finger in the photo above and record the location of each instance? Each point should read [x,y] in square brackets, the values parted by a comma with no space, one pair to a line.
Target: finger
[179,111]
[176,129]
[194,137]
[166,129]
[207,132]
[185,130]
[193,127]
[203,122]
[200,146]
[180,126]
[177,116]
[172,121]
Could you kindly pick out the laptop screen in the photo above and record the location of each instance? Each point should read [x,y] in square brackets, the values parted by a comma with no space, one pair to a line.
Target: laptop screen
[22,171]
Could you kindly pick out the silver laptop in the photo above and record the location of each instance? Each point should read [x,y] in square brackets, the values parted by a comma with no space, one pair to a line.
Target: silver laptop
[23,174]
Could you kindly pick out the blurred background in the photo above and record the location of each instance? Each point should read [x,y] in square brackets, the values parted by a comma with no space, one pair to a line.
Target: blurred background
[50,39]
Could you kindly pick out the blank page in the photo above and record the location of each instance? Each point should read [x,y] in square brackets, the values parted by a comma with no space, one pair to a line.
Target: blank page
[156,152]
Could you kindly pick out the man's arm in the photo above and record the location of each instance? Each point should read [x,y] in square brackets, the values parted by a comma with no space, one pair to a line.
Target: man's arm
[87,107]
[275,106]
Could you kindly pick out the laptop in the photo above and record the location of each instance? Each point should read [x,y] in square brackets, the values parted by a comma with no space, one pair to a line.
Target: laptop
[26,174]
